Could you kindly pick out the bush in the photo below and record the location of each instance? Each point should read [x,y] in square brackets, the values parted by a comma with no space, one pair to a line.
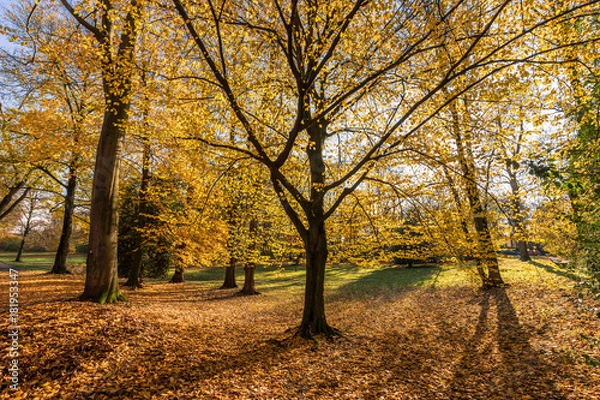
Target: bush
[10,243]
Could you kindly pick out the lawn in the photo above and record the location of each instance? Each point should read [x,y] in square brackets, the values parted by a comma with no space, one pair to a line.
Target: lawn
[421,333]
[39,261]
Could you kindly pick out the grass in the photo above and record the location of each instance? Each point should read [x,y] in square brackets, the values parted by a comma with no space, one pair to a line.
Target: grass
[37,261]
[353,279]
[346,278]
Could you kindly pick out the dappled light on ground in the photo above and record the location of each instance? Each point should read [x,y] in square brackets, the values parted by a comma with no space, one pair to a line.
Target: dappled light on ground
[413,341]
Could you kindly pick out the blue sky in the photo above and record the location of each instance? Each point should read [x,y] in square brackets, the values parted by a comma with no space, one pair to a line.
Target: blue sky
[4,4]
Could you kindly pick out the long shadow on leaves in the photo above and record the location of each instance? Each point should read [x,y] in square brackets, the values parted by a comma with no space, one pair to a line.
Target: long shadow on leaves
[516,371]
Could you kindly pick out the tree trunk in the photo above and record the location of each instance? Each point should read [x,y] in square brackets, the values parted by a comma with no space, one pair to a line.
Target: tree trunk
[313,317]
[230,276]
[134,280]
[20,250]
[523,253]
[117,58]
[101,281]
[248,288]
[26,230]
[60,260]
[315,240]
[485,253]
[178,276]
[517,209]
[7,204]
[135,273]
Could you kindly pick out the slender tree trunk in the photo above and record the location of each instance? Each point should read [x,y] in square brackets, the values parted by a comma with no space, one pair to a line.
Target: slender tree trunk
[229,282]
[315,240]
[487,268]
[517,209]
[27,229]
[517,220]
[21,247]
[60,260]
[248,288]
[462,250]
[135,273]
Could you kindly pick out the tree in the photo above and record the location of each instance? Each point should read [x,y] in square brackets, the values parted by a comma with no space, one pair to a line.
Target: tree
[59,109]
[114,26]
[27,221]
[292,74]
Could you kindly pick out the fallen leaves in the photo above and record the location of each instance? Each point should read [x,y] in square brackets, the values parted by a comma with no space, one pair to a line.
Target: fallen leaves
[193,342]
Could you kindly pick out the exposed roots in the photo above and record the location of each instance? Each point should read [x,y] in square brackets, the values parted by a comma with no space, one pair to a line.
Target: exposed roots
[228,286]
[248,293]
[309,333]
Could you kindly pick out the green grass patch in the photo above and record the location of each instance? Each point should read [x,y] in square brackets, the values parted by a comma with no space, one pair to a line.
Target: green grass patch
[38,261]
[353,279]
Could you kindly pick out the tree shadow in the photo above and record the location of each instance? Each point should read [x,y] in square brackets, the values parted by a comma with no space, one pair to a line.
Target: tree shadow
[383,279]
[556,270]
[498,358]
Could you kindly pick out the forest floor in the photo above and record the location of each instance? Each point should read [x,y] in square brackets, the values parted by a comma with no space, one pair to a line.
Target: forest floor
[425,333]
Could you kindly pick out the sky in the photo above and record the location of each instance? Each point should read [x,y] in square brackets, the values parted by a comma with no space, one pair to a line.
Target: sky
[4,4]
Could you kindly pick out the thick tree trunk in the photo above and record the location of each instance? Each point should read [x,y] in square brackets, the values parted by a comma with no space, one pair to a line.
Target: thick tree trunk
[179,275]
[313,317]
[101,281]
[229,282]
[134,280]
[523,253]
[60,260]
[248,288]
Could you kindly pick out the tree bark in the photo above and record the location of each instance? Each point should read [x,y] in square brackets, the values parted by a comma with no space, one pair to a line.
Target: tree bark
[523,252]
[313,316]
[26,230]
[485,253]
[60,260]
[8,203]
[179,275]
[315,241]
[248,288]
[135,273]
[101,283]
[229,282]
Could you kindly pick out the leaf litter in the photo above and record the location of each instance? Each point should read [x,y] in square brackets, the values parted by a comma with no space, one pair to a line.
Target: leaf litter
[190,341]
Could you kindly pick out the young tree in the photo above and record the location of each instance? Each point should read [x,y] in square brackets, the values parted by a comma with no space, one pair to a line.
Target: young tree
[291,74]
[31,205]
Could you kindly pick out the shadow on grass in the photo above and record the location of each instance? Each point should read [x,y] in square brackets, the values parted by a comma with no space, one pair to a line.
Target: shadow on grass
[564,272]
[392,278]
